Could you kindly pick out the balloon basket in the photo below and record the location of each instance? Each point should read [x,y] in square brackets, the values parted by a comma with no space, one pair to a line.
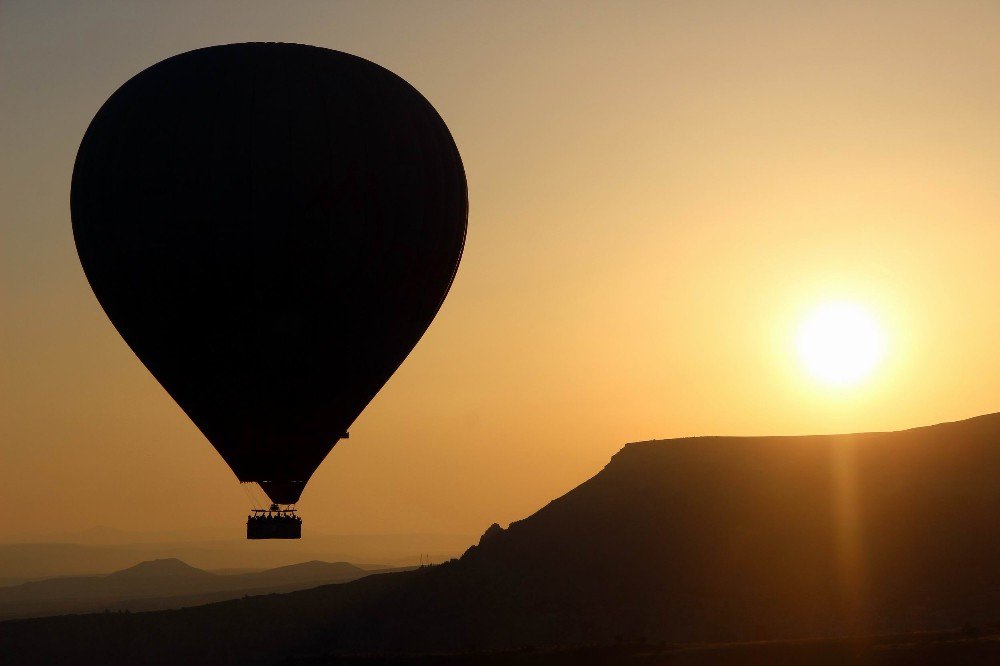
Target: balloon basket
[274,523]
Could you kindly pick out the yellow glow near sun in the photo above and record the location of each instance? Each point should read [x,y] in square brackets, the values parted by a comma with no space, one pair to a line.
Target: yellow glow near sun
[840,343]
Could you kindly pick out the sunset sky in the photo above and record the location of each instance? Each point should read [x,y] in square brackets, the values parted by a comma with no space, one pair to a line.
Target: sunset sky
[661,194]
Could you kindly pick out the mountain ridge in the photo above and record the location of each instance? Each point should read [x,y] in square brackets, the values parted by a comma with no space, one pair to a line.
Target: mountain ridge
[162,584]
[688,540]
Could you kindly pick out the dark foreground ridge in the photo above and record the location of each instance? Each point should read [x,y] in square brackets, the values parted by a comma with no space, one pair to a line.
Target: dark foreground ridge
[687,541]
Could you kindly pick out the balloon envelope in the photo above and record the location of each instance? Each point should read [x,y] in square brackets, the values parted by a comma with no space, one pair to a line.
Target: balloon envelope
[271,228]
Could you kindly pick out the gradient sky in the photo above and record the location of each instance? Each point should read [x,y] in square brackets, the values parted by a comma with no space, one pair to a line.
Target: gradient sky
[659,194]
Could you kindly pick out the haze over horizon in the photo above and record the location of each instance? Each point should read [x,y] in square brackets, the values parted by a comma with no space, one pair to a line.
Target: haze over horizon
[659,196]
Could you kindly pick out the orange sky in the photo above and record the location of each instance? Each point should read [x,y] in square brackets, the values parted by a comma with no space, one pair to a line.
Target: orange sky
[659,194]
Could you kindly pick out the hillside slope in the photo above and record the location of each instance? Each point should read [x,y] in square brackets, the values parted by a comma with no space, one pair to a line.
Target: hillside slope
[701,539]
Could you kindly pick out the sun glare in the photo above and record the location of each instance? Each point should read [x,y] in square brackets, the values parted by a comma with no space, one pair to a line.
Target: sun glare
[840,344]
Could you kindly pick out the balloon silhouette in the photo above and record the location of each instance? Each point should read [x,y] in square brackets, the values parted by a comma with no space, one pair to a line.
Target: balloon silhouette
[271,228]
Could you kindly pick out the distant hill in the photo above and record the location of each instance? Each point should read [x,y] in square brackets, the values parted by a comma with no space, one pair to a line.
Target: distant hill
[690,540]
[169,569]
[307,571]
[162,584]
[100,550]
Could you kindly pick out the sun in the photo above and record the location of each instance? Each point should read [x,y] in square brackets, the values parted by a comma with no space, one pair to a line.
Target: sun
[840,343]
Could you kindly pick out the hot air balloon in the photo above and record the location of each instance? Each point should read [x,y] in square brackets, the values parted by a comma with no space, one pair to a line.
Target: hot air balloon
[271,228]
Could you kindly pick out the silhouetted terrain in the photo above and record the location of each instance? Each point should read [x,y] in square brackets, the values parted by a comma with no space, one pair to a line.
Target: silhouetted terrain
[162,584]
[100,550]
[700,540]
